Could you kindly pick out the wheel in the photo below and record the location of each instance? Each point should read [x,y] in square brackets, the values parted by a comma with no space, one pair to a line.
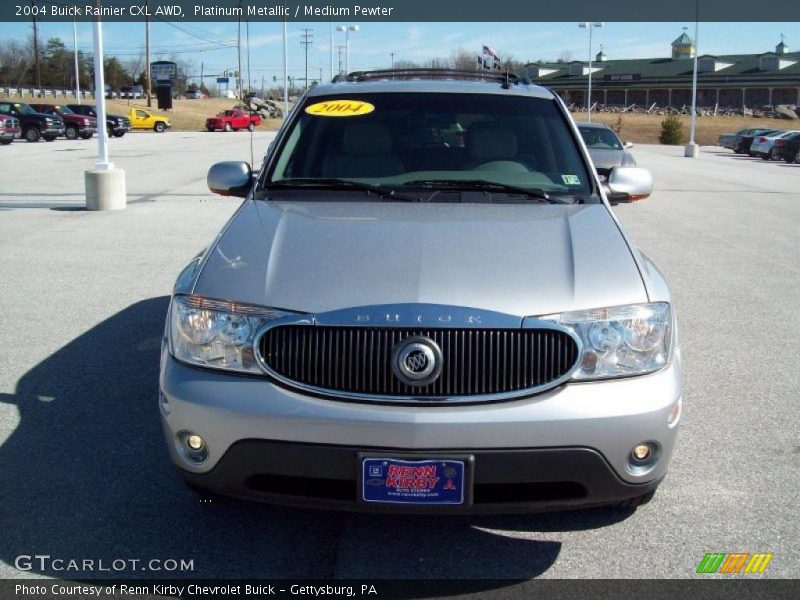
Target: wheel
[228,127]
[110,132]
[32,134]
[789,160]
[71,133]
[636,502]
[119,134]
[251,126]
[767,156]
[159,127]
[211,129]
[86,136]
[5,142]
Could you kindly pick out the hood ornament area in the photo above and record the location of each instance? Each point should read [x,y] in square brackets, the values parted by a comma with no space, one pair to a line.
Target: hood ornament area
[417,361]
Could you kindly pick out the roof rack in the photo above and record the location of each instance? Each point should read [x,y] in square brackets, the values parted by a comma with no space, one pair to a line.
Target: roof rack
[359,76]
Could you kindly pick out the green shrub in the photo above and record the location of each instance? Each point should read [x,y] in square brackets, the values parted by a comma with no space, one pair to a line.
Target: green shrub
[671,131]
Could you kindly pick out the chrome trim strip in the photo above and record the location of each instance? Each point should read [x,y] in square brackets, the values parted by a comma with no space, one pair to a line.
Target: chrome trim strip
[346,316]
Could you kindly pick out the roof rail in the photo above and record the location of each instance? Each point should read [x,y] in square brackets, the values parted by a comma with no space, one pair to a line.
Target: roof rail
[416,73]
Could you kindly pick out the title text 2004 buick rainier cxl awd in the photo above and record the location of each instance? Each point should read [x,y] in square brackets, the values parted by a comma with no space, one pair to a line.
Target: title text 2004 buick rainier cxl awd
[424,304]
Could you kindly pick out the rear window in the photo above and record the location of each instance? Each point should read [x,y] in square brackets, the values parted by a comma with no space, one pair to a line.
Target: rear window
[600,138]
[394,139]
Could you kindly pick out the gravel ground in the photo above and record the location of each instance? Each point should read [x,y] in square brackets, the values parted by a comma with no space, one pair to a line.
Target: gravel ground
[84,472]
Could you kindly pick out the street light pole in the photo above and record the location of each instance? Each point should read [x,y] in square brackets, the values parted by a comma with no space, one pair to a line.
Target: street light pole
[77,70]
[692,149]
[285,72]
[347,29]
[589,25]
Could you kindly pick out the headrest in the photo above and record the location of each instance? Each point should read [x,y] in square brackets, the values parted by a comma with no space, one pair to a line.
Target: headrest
[486,141]
[363,138]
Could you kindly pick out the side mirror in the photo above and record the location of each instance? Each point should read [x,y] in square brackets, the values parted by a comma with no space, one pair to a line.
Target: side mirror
[231,178]
[628,184]
[627,145]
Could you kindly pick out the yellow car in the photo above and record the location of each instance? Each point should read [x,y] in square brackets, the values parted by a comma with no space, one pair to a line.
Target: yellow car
[142,119]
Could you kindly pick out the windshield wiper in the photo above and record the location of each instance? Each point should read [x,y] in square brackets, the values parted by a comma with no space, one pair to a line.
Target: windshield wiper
[343,184]
[485,185]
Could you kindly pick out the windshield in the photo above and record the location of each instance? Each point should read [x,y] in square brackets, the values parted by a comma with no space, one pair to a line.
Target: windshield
[600,138]
[64,110]
[24,109]
[404,141]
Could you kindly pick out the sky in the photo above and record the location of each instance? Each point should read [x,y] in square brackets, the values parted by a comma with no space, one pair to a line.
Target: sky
[213,44]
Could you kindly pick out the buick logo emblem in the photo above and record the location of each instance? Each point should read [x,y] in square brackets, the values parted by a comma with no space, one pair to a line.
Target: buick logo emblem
[417,361]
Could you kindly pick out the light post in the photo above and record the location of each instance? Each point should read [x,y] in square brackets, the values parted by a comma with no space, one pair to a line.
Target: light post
[692,150]
[589,25]
[105,184]
[347,29]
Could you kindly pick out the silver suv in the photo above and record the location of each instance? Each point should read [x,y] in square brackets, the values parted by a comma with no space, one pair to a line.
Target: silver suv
[424,304]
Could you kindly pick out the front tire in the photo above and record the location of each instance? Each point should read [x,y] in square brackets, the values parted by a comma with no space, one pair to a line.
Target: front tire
[71,133]
[228,128]
[251,126]
[120,134]
[32,134]
[86,136]
[159,127]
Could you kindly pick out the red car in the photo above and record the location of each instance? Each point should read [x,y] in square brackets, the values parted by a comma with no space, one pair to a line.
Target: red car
[9,129]
[233,120]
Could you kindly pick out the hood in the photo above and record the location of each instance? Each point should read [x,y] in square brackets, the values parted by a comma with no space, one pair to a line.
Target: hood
[517,259]
[605,159]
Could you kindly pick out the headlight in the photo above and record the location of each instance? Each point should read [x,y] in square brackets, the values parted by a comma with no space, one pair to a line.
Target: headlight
[216,333]
[620,341]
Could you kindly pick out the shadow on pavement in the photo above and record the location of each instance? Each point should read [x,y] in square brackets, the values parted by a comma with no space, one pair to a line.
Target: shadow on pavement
[86,475]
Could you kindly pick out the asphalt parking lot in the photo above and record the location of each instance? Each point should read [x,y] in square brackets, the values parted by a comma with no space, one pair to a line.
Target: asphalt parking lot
[84,472]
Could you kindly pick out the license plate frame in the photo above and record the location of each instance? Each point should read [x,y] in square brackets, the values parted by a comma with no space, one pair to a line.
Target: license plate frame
[368,492]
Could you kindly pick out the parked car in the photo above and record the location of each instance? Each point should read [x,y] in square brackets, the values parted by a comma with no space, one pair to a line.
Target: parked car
[75,125]
[727,140]
[143,119]
[605,147]
[194,94]
[763,145]
[233,120]
[745,142]
[116,125]
[787,147]
[35,125]
[9,129]
[132,92]
[393,323]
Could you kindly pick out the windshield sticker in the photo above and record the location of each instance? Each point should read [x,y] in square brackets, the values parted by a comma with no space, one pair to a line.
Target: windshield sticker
[571,179]
[340,108]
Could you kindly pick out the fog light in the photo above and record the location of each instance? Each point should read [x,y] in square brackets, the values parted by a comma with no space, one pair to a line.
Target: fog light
[191,447]
[640,452]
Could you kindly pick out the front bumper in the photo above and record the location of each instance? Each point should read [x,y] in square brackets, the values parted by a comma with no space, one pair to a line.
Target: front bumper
[255,429]
[321,476]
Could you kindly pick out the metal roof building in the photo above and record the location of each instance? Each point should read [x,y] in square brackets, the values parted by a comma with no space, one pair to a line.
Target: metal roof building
[730,81]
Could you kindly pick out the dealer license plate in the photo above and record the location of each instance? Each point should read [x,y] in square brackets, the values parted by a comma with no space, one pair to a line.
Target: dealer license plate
[393,481]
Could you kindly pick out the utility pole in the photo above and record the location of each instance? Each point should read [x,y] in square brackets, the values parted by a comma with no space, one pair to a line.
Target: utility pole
[77,69]
[330,39]
[285,71]
[392,54]
[247,29]
[239,51]
[148,84]
[307,39]
[340,51]
[37,64]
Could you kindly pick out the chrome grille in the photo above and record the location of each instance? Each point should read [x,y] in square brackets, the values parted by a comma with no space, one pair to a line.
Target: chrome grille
[476,362]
